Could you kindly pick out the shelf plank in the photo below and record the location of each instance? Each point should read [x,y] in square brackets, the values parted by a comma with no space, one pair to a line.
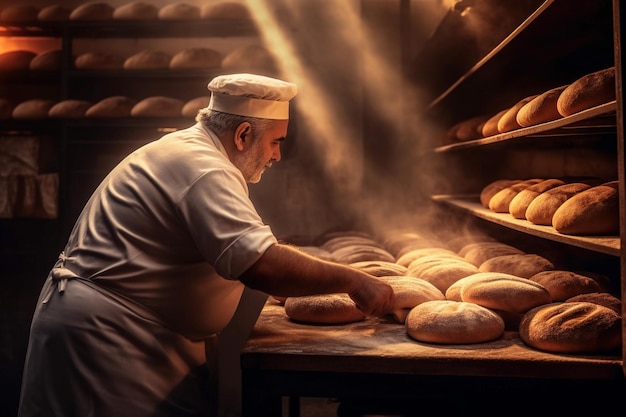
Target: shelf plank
[609,245]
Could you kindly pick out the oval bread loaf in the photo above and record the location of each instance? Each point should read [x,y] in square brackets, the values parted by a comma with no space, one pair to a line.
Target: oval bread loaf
[501,201]
[588,91]
[490,127]
[541,210]
[16,60]
[492,189]
[478,253]
[323,309]
[36,108]
[521,265]
[179,11]
[249,58]
[508,121]
[157,106]
[196,58]
[135,10]
[92,11]
[114,106]
[519,204]
[47,61]
[540,109]
[98,61]
[602,298]
[148,59]
[70,109]
[468,129]
[54,13]
[563,284]
[410,292]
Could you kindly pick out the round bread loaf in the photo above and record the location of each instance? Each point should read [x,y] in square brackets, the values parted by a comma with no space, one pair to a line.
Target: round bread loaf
[148,59]
[380,268]
[490,127]
[477,253]
[135,10]
[47,61]
[19,13]
[421,243]
[6,108]
[520,265]
[492,189]
[157,106]
[92,11]
[588,91]
[249,58]
[323,309]
[196,58]
[566,284]
[573,327]
[179,11]
[224,10]
[337,242]
[443,272]
[501,200]
[458,242]
[191,108]
[358,253]
[16,60]
[407,258]
[36,108]
[98,61]
[508,121]
[519,204]
[410,292]
[114,106]
[70,109]
[452,322]
[601,298]
[540,109]
[594,211]
[506,292]
[54,13]
[543,207]
[469,129]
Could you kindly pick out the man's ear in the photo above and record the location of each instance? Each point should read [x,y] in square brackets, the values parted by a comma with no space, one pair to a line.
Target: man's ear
[242,133]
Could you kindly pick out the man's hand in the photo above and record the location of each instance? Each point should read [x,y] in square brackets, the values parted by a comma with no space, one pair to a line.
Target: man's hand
[374,297]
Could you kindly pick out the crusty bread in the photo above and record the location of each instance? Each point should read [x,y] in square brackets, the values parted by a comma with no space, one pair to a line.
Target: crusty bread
[179,11]
[572,327]
[452,322]
[410,292]
[70,109]
[508,121]
[490,127]
[602,298]
[479,252]
[114,106]
[323,309]
[492,189]
[588,91]
[406,258]
[506,292]
[47,61]
[99,61]
[19,13]
[92,11]
[380,268]
[562,284]
[196,58]
[36,108]
[148,59]
[191,107]
[157,106]
[540,109]
[251,58]
[594,211]
[135,10]
[543,207]
[501,201]
[443,272]
[358,253]
[519,204]
[16,60]
[54,13]
[469,129]
[521,265]
[224,10]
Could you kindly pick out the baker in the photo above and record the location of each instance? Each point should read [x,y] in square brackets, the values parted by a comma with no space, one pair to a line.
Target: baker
[157,262]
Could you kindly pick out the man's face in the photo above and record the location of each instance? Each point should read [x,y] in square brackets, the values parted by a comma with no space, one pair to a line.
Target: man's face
[259,154]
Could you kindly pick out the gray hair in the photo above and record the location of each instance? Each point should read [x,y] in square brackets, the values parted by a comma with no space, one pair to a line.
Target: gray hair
[222,123]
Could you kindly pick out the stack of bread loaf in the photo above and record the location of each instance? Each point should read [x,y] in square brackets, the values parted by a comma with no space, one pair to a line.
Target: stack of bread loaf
[576,208]
[590,90]
[472,289]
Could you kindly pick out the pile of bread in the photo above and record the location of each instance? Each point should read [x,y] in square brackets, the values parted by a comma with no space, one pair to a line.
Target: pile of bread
[135,10]
[470,289]
[573,208]
[588,91]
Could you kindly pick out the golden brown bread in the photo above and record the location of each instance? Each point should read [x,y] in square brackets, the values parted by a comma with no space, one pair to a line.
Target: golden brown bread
[588,91]
[249,58]
[521,265]
[148,59]
[70,109]
[602,298]
[572,327]
[543,207]
[501,200]
[490,127]
[135,10]
[566,284]
[92,11]
[594,211]
[468,129]
[114,106]
[98,61]
[179,10]
[380,268]
[493,188]
[453,322]
[540,109]
[323,309]
[410,292]
[196,58]
[157,106]
[519,204]
[508,121]
[36,108]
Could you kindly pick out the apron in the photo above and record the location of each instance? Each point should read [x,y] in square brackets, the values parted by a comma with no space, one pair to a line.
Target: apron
[95,353]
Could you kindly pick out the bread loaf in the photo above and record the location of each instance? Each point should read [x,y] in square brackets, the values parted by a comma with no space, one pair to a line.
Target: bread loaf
[54,13]
[250,58]
[478,253]
[19,13]
[602,298]
[410,292]
[501,201]
[572,327]
[135,10]
[16,60]
[540,109]
[157,106]
[508,121]
[380,268]
[588,91]
[191,108]
[407,258]
[566,284]
[99,61]
[492,189]
[70,109]
[47,61]
[114,106]
[92,11]
[442,272]
[36,108]
[179,11]
[323,309]
[196,58]
[543,207]
[519,204]
[148,59]
[469,129]
[594,211]
[521,265]
[490,127]
[224,10]
[452,322]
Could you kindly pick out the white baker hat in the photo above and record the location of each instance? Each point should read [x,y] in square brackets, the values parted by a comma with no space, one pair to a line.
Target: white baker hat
[251,95]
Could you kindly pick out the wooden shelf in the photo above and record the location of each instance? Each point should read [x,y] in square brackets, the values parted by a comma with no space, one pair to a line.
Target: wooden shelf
[609,245]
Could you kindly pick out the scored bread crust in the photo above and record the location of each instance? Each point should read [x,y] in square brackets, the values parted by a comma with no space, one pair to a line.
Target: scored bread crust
[323,309]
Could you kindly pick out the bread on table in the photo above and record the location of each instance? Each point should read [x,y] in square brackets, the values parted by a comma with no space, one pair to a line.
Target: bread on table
[323,309]
[602,298]
[500,202]
[493,188]
[563,284]
[410,292]
[380,268]
[479,252]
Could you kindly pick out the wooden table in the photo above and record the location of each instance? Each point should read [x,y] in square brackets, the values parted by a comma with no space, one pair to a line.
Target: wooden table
[375,366]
